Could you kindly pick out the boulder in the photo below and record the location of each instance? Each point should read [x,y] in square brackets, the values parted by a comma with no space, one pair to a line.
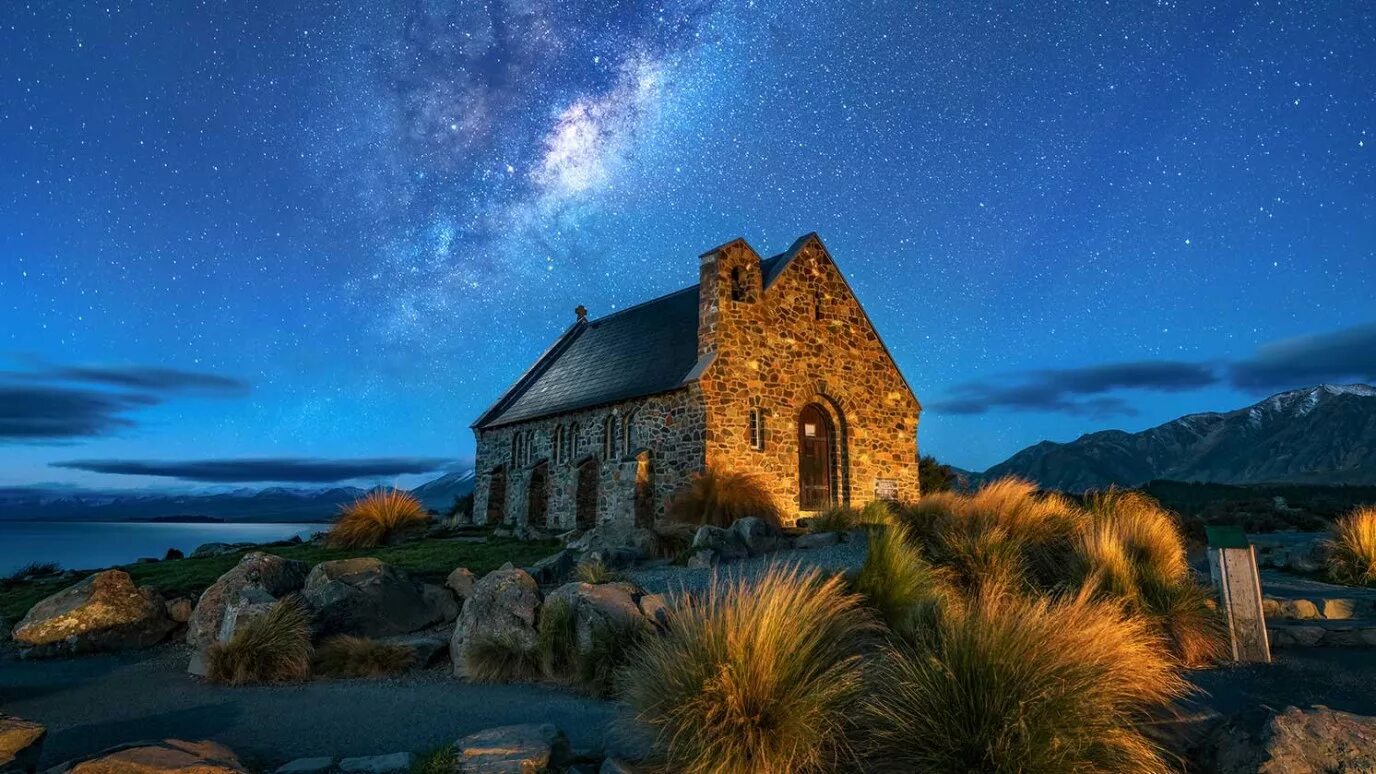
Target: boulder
[170,756]
[180,609]
[643,541]
[553,568]
[1311,740]
[441,601]
[599,607]
[613,557]
[268,573]
[101,613]
[427,647]
[395,763]
[522,749]
[461,581]
[615,766]
[504,603]
[251,605]
[725,542]
[816,540]
[703,559]
[655,608]
[307,766]
[21,743]
[757,535]
[1338,609]
[1301,609]
[368,598]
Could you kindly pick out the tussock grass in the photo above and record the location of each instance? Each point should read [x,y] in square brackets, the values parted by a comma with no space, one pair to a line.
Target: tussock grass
[33,571]
[1012,683]
[556,640]
[596,572]
[500,658]
[719,497]
[612,646]
[757,677]
[348,656]
[275,648]
[1147,532]
[1351,548]
[441,760]
[897,583]
[377,518]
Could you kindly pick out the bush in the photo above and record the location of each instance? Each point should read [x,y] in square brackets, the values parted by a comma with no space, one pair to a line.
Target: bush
[840,518]
[596,572]
[348,656]
[377,518]
[1147,532]
[611,649]
[499,658]
[34,570]
[1351,548]
[896,582]
[1012,683]
[441,760]
[274,648]
[556,640]
[720,498]
[755,676]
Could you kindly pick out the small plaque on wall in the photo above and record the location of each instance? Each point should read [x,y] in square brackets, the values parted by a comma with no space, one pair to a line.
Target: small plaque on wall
[885,489]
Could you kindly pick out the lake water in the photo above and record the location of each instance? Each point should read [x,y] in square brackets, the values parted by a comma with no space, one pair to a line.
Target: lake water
[87,545]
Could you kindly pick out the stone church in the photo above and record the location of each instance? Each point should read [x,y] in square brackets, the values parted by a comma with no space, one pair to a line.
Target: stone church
[766,366]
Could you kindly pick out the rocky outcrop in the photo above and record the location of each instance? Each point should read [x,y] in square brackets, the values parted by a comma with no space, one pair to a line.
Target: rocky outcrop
[553,568]
[101,613]
[461,581]
[521,749]
[394,763]
[1292,742]
[369,598]
[170,756]
[602,607]
[267,573]
[757,535]
[505,604]
[21,744]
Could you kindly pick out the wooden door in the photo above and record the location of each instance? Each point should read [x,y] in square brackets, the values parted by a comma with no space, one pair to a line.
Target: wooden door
[814,459]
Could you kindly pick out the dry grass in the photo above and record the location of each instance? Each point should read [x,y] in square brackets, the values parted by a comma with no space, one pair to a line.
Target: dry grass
[897,583]
[1015,683]
[596,572]
[1351,547]
[377,518]
[556,640]
[1147,532]
[760,677]
[275,648]
[843,518]
[348,656]
[499,658]
[719,498]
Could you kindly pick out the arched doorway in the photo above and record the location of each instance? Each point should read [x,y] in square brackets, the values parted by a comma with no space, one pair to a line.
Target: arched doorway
[816,489]
[585,494]
[644,491]
[537,496]
[496,497]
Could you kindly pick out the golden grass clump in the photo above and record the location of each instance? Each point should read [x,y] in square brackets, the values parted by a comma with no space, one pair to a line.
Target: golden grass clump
[1147,532]
[377,518]
[897,583]
[348,656]
[596,572]
[499,658]
[843,518]
[759,677]
[1351,548]
[1016,683]
[274,648]
[719,498]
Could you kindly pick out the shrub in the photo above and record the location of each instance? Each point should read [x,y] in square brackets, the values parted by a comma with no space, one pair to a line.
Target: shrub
[719,498]
[612,646]
[499,658]
[556,640]
[34,570]
[377,518]
[1012,683]
[839,518]
[274,648]
[755,676]
[896,582]
[441,760]
[348,656]
[596,572]
[1351,548]
[1147,532]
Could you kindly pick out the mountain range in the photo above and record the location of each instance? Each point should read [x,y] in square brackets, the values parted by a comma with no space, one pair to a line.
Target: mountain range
[273,504]
[1317,435]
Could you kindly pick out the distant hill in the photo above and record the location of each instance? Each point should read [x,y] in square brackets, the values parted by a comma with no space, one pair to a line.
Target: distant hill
[1318,435]
[276,503]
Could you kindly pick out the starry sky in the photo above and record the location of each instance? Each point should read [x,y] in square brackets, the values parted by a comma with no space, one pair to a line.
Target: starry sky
[311,242]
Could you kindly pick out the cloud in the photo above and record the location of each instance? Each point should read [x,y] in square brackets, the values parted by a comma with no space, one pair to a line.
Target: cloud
[147,378]
[1078,391]
[48,413]
[287,470]
[1340,356]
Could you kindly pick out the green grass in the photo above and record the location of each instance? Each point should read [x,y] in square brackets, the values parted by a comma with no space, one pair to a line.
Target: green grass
[430,560]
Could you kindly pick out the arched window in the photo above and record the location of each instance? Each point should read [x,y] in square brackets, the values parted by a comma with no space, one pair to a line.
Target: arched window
[756,428]
[628,432]
[817,306]
[609,437]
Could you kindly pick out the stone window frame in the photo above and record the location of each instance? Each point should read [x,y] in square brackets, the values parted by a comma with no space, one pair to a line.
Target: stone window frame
[557,445]
[628,431]
[755,428]
[572,442]
[609,436]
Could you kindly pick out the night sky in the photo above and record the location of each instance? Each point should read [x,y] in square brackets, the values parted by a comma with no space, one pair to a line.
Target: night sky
[311,242]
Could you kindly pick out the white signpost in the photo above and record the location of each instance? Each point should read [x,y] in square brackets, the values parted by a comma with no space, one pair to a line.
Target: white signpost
[1233,567]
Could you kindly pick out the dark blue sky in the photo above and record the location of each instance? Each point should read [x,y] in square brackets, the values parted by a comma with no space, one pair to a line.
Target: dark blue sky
[245,231]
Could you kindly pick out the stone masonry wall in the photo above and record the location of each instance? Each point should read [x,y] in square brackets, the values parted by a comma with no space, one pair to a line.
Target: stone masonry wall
[669,427]
[775,352]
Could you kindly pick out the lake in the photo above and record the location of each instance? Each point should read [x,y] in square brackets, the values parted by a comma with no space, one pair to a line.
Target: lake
[91,545]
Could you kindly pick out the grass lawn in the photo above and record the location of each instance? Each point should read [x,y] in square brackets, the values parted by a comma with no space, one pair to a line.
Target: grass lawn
[429,559]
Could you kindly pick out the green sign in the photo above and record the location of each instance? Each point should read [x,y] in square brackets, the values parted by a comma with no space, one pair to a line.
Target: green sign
[1226,536]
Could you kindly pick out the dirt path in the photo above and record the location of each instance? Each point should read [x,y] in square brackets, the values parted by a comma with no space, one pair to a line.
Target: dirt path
[95,702]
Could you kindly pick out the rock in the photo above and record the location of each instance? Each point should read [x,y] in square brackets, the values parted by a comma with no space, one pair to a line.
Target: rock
[180,609]
[1318,740]
[655,608]
[553,568]
[1305,636]
[170,756]
[268,573]
[441,601]
[396,763]
[307,766]
[703,559]
[1338,609]
[427,647]
[1304,559]
[522,749]
[461,581]
[1301,609]
[727,543]
[644,542]
[503,604]
[1272,608]
[251,605]
[21,743]
[757,535]
[615,766]
[104,612]
[598,607]
[367,598]
[614,557]
[816,540]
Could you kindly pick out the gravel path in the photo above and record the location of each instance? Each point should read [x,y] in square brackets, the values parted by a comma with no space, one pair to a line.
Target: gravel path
[674,580]
[94,702]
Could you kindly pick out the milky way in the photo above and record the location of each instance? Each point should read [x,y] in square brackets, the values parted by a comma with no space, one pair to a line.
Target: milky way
[375,215]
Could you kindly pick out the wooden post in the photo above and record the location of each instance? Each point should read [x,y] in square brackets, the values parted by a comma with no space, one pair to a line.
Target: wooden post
[1233,568]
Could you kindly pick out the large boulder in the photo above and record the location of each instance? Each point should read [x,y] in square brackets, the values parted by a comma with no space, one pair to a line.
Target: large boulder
[553,568]
[104,612]
[21,743]
[599,607]
[504,603]
[256,571]
[1318,740]
[524,749]
[726,543]
[461,582]
[170,756]
[369,598]
[758,535]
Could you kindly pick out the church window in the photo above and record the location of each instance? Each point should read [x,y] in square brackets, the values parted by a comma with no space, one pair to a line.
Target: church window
[756,428]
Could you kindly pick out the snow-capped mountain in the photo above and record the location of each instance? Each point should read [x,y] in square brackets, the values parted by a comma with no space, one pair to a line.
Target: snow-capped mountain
[1323,435]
